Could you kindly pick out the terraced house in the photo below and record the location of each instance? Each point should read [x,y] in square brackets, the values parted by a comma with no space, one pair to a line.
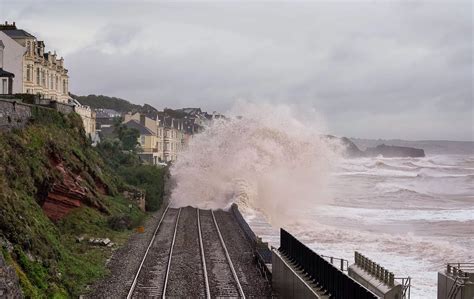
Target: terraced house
[161,137]
[36,71]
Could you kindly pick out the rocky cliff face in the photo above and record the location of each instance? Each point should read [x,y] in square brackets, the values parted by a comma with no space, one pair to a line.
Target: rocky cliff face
[387,151]
[9,284]
[69,193]
[390,151]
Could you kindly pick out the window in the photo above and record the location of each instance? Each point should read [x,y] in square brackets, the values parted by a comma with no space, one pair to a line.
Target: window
[64,86]
[4,86]
[142,140]
[38,76]
[28,73]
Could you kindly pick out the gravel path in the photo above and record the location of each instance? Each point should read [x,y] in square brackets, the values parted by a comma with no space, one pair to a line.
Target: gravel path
[186,273]
[124,263]
[221,280]
[241,254]
[151,278]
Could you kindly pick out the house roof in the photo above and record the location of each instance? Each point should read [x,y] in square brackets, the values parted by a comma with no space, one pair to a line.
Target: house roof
[4,73]
[106,113]
[17,33]
[141,128]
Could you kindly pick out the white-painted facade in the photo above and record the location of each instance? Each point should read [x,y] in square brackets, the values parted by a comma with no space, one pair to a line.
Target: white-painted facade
[41,72]
[13,60]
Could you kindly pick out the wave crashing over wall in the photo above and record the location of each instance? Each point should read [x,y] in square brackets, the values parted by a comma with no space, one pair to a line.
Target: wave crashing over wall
[266,157]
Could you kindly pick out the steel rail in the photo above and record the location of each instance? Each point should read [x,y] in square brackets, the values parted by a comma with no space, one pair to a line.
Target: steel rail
[135,279]
[239,287]
[206,280]
[170,255]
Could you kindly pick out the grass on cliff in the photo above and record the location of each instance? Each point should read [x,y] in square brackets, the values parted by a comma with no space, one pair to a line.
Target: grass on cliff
[47,258]
[127,165]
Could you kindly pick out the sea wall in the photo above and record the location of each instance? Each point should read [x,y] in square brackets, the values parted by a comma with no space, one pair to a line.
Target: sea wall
[262,252]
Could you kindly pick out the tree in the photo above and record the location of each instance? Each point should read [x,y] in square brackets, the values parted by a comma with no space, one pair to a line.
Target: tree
[127,136]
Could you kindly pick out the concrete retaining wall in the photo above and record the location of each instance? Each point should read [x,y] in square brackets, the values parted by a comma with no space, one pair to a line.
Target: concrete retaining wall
[287,282]
[445,283]
[262,252]
[249,234]
[375,285]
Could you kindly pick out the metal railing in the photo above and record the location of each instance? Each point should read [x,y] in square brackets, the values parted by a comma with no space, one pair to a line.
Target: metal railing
[460,272]
[459,269]
[332,280]
[406,286]
[374,269]
[341,263]
[382,274]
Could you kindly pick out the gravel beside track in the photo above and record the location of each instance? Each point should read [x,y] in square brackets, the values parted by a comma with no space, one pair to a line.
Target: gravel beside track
[186,277]
[124,263]
[241,254]
[221,280]
[151,278]
[186,273]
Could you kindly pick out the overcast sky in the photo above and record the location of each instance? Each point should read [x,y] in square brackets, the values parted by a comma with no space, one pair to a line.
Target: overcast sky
[373,69]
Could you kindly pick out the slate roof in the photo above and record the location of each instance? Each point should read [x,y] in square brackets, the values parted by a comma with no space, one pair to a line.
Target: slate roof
[17,33]
[106,113]
[4,73]
[141,128]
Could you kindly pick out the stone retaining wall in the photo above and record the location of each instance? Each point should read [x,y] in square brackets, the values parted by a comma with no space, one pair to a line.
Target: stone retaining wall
[13,114]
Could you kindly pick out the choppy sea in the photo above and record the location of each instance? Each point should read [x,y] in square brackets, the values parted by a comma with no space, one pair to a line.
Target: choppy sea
[411,215]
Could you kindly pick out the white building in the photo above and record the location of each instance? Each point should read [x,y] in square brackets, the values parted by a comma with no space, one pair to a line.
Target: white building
[11,59]
[36,71]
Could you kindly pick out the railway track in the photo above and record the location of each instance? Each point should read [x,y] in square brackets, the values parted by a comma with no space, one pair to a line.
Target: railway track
[187,257]
[222,279]
[147,282]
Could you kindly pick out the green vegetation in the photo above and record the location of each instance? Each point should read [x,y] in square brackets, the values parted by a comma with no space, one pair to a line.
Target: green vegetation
[100,101]
[127,136]
[46,255]
[150,179]
[123,159]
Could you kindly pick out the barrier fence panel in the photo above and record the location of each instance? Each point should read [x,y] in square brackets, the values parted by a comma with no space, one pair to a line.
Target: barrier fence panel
[320,271]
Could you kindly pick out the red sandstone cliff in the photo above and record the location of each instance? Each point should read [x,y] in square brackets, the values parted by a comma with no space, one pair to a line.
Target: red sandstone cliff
[70,193]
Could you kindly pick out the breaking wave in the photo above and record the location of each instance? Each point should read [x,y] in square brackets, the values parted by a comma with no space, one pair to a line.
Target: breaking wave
[267,157]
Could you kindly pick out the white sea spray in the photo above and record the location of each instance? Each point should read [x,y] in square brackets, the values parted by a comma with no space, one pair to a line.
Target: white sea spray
[268,157]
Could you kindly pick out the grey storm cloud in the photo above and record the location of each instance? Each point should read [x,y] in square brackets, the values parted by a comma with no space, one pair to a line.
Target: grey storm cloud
[372,68]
